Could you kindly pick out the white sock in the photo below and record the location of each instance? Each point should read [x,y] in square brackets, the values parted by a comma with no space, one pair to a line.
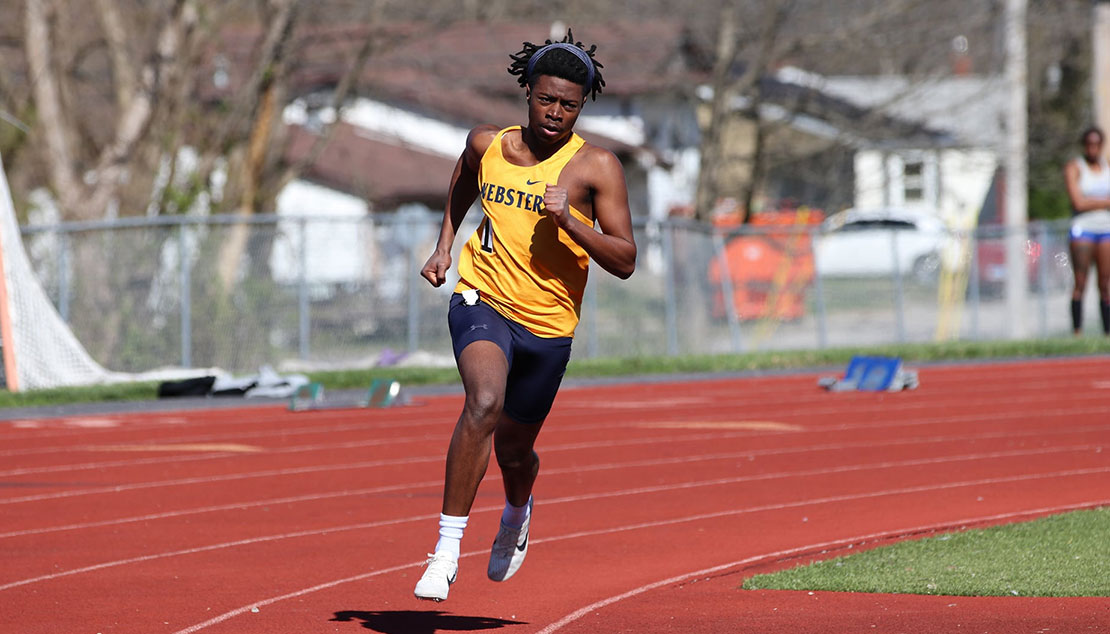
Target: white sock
[514,516]
[451,529]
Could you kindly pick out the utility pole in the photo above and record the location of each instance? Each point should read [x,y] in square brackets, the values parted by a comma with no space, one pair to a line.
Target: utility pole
[1017,171]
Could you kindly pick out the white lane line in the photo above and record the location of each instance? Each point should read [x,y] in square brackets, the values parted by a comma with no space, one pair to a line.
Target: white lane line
[220,478]
[425,438]
[856,409]
[107,464]
[372,419]
[552,472]
[947,376]
[695,518]
[222,453]
[564,447]
[562,500]
[1033,392]
[569,408]
[801,550]
[224,437]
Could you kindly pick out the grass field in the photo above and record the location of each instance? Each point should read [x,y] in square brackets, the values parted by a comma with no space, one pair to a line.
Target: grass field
[1059,556]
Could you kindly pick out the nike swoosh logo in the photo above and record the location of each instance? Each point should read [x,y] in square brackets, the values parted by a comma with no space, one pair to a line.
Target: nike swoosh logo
[531,182]
[521,547]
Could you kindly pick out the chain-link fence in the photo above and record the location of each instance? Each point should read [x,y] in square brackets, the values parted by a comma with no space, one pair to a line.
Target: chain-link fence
[142,293]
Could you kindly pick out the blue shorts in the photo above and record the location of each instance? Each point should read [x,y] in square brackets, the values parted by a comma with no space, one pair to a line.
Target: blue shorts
[536,364]
[1078,234]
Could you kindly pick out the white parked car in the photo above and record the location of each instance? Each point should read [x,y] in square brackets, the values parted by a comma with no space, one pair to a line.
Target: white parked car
[865,242]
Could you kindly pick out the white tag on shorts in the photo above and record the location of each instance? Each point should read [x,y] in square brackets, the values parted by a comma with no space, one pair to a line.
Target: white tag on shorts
[470,297]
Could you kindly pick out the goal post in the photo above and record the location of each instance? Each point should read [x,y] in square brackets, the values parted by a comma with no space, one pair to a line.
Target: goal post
[7,346]
[39,349]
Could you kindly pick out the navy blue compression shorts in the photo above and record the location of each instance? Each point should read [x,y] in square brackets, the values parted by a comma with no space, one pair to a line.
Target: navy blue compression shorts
[536,364]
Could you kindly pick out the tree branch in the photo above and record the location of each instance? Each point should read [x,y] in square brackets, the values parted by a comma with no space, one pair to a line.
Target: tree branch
[342,90]
[122,65]
[134,120]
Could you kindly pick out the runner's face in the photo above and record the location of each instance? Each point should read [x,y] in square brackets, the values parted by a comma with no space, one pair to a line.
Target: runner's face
[553,106]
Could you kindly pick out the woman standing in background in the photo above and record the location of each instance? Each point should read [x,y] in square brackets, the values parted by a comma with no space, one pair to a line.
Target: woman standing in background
[1088,183]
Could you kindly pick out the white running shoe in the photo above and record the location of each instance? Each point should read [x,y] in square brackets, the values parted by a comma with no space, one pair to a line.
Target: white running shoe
[509,549]
[438,577]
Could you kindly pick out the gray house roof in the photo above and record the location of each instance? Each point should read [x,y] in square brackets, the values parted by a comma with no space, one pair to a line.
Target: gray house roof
[971,110]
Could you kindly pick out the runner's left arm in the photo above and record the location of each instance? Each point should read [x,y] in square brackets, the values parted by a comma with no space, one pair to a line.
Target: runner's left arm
[613,248]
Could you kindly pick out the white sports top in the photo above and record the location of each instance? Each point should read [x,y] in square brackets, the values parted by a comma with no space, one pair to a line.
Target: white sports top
[1093,184]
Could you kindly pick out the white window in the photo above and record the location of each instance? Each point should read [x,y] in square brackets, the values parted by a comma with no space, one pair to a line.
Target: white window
[912,179]
[913,182]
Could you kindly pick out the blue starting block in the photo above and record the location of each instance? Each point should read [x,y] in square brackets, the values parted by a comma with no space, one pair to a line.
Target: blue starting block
[872,374]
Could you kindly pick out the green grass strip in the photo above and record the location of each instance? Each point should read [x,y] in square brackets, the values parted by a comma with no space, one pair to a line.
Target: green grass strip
[1058,556]
[629,366]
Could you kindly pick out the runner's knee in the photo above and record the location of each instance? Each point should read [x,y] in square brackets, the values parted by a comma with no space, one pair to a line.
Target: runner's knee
[484,407]
[512,457]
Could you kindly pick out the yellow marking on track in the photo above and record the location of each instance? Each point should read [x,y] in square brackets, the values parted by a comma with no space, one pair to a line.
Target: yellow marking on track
[91,423]
[758,425]
[230,447]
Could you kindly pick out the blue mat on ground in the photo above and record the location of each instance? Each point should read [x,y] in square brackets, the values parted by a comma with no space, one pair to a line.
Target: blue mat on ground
[872,374]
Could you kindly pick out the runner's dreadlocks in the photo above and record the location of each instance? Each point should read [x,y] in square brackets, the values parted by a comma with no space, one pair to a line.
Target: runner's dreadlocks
[559,63]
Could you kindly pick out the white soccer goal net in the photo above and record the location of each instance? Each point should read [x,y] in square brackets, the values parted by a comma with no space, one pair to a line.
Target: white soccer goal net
[39,349]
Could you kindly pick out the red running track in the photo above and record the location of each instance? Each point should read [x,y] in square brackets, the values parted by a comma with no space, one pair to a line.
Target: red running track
[654,502]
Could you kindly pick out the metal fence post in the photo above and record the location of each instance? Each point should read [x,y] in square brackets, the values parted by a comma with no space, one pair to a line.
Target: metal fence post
[728,297]
[413,292]
[899,295]
[589,315]
[973,290]
[670,310]
[1042,276]
[303,318]
[186,281]
[819,296]
[63,275]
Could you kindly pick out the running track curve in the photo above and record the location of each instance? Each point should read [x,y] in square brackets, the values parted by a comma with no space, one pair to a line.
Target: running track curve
[655,501]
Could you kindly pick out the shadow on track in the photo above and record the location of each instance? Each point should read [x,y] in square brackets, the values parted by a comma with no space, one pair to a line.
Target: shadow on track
[421,622]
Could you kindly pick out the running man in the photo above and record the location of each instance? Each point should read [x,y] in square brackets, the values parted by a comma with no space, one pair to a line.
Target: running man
[513,314]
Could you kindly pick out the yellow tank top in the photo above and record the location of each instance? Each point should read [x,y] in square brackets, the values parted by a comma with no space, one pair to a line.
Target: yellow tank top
[520,262]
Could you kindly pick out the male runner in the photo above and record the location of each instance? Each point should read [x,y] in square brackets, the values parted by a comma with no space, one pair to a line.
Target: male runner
[522,274]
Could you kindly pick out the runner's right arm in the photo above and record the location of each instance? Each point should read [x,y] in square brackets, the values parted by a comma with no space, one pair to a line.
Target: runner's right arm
[460,196]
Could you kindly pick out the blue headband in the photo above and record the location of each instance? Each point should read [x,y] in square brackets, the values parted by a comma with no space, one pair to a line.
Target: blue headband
[578,52]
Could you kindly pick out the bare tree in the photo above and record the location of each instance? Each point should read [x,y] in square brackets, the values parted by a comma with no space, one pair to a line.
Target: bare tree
[721,161]
[750,45]
[262,107]
[84,192]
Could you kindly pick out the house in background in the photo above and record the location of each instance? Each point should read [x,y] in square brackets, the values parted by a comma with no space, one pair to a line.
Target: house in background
[831,142]
[393,144]
[948,173]
[399,137]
